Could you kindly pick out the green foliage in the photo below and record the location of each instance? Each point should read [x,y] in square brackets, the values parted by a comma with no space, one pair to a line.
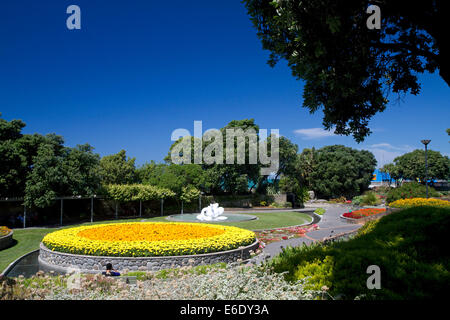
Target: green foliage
[117,169]
[189,194]
[318,273]
[412,165]
[61,171]
[220,177]
[136,192]
[289,184]
[356,201]
[341,171]
[370,199]
[319,211]
[409,246]
[348,69]
[410,190]
[173,177]
[281,204]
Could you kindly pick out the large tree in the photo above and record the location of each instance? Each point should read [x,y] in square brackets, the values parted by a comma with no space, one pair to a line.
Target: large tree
[411,165]
[348,69]
[342,171]
[118,169]
[61,171]
[235,178]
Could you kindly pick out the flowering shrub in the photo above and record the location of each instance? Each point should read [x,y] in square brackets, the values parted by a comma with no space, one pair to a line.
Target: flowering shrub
[410,190]
[361,213]
[144,239]
[417,202]
[4,231]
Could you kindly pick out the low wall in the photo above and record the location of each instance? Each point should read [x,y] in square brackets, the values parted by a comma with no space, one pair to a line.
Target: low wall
[6,241]
[60,262]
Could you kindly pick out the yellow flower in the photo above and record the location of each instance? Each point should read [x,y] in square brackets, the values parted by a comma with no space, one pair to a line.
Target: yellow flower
[417,202]
[148,239]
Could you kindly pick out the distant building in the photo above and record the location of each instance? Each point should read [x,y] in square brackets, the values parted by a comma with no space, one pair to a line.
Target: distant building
[380,179]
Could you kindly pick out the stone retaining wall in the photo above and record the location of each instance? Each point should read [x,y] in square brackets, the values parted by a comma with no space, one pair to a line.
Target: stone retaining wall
[6,241]
[60,262]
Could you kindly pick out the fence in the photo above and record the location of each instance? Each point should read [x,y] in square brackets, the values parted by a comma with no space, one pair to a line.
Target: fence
[70,210]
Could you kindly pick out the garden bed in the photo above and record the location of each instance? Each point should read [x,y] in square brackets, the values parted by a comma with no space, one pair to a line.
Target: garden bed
[365,214]
[6,238]
[63,262]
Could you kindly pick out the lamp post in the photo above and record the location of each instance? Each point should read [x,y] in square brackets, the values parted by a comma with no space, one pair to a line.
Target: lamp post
[426,142]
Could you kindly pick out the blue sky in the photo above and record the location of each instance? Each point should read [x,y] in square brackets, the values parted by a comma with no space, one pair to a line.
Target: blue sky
[137,70]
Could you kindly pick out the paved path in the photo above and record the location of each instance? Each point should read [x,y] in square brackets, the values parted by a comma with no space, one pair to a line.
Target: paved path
[330,224]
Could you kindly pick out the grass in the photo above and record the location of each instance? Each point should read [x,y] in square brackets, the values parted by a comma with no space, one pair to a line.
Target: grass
[27,240]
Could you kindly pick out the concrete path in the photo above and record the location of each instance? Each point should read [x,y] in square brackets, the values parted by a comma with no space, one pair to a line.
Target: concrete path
[331,224]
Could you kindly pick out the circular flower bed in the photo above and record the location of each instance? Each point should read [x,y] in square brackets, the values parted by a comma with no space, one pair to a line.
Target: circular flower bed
[417,202]
[362,213]
[4,231]
[148,239]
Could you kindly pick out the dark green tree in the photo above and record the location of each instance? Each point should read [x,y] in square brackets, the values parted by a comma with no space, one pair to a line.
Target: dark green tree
[61,171]
[348,69]
[342,171]
[412,165]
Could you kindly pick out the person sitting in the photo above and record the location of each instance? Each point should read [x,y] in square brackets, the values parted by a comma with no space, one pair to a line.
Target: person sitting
[110,271]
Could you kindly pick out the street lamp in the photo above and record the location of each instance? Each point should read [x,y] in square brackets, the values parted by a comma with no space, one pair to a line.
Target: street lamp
[426,142]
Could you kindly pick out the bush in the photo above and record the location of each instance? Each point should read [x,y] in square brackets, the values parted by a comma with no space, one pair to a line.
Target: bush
[409,246]
[319,211]
[356,201]
[281,204]
[410,190]
[370,199]
[317,273]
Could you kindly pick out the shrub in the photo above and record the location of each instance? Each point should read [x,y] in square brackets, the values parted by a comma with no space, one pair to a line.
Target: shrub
[410,190]
[409,246]
[281,204]
[356,201]
[263,203]
[319,211]
[317,273]
[370,199]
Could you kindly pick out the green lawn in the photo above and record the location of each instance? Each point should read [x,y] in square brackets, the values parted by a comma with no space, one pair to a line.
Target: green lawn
[28,239]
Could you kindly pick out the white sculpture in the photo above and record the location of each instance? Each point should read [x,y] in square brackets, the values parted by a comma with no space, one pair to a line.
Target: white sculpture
[211,213]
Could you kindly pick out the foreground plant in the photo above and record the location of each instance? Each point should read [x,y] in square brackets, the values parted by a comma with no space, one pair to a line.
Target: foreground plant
[187,283]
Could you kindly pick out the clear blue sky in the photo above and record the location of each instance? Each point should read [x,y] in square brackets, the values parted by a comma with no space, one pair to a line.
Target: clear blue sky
[137,70]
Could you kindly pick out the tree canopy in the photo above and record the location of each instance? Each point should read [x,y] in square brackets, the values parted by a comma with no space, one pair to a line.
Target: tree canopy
[341,171]
[348,69]
[117,169]
[412,165]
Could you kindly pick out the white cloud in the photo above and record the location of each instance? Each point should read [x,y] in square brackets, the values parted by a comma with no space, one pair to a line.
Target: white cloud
[314,133]
[386,153]
[385,145]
